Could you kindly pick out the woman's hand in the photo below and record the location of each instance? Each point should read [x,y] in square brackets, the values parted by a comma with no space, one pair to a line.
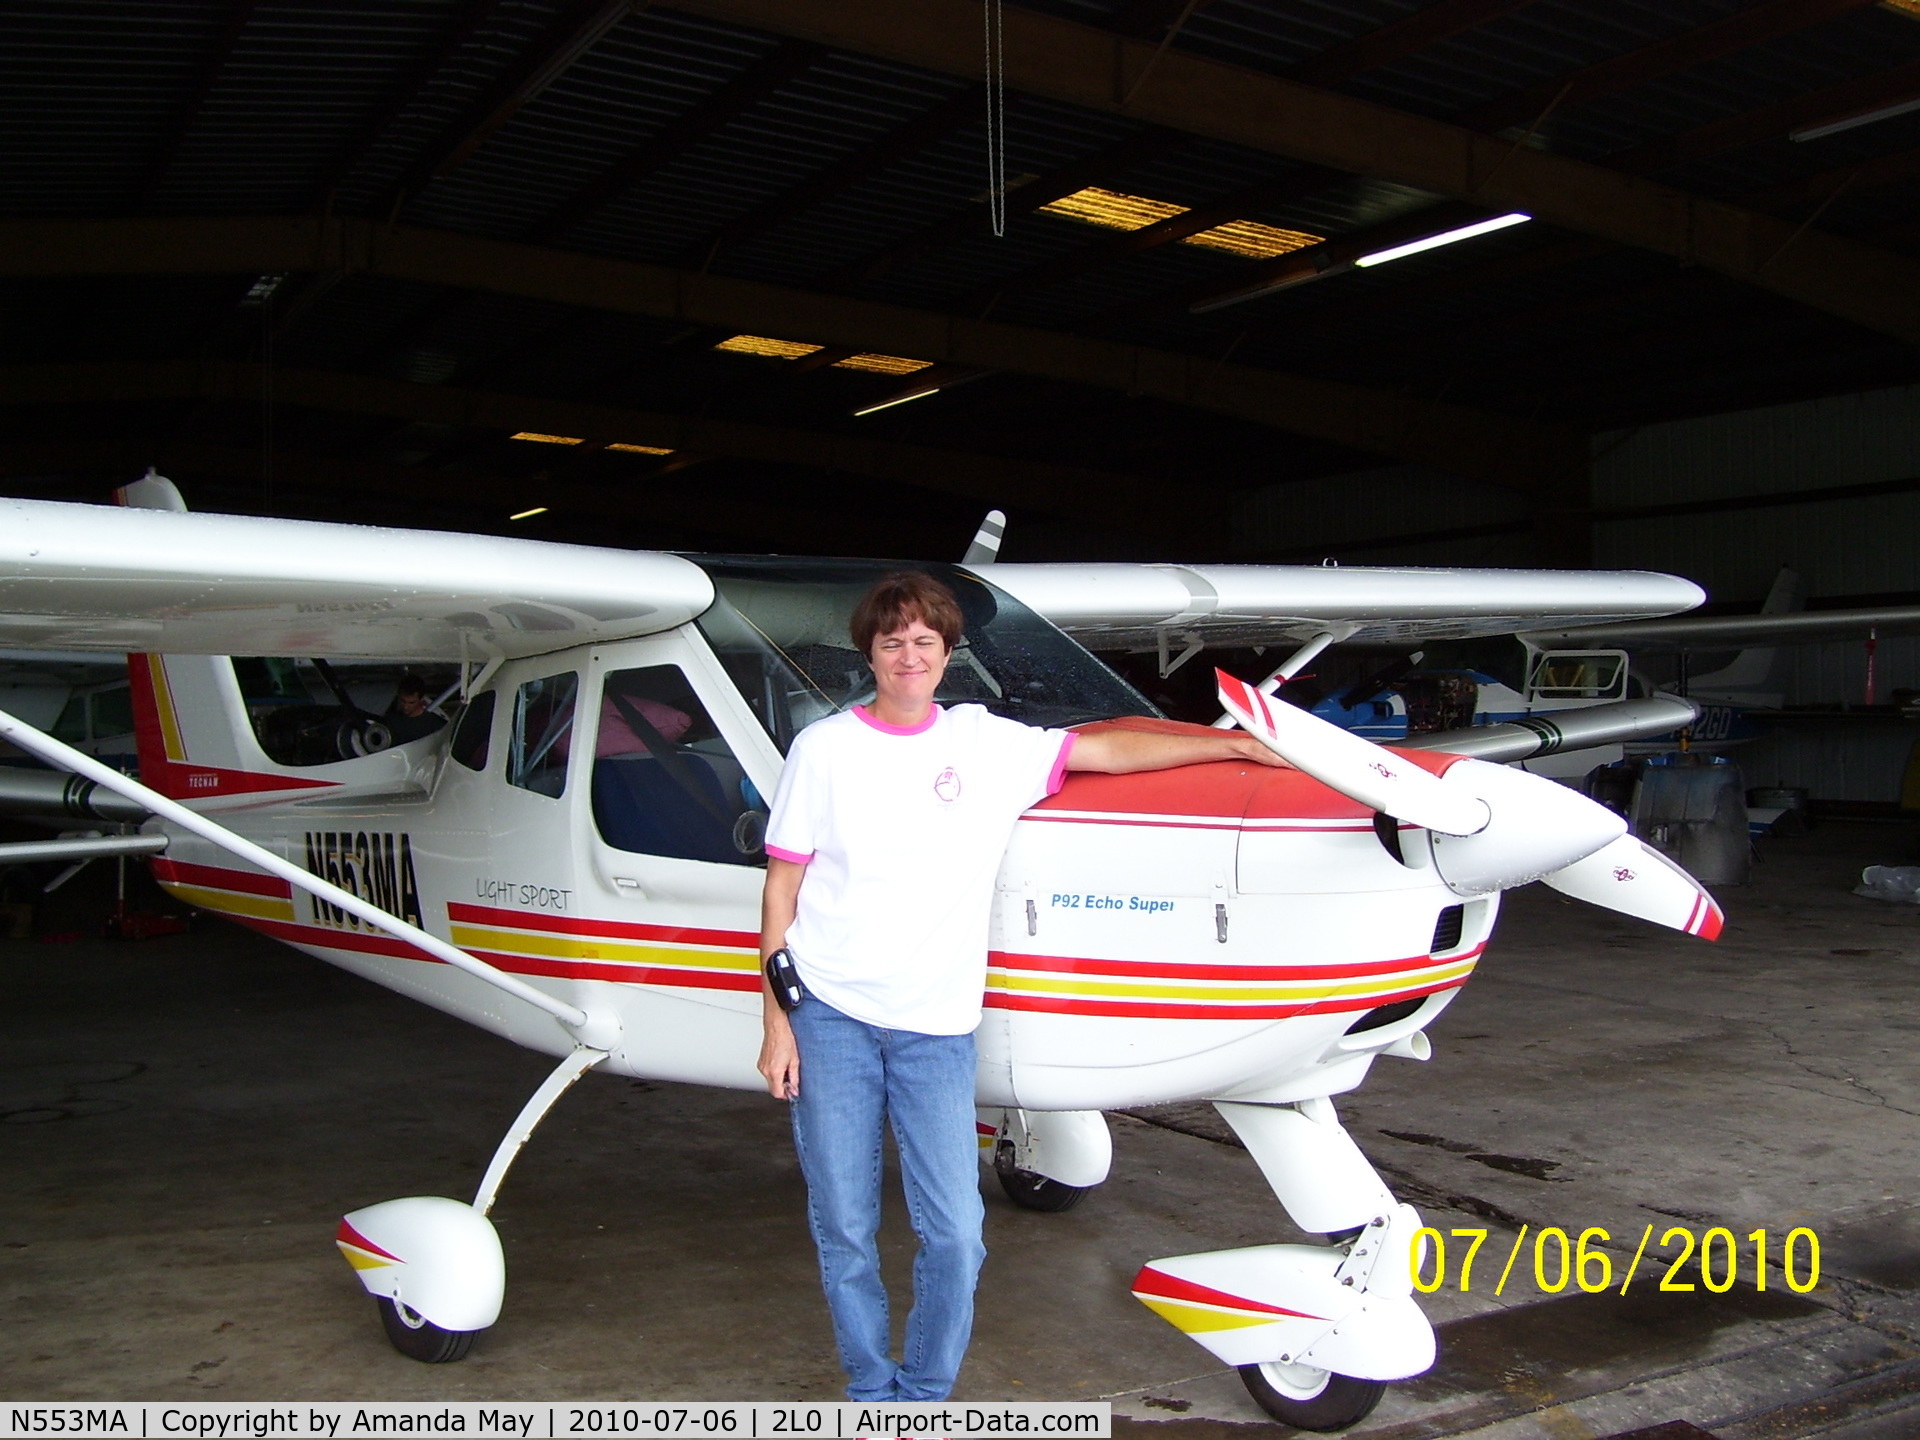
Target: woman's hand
[779,1055]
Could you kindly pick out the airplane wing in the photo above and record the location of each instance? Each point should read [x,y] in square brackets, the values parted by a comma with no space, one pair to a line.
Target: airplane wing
[1126,607]
[1727,632]
[125,578]
[106,578]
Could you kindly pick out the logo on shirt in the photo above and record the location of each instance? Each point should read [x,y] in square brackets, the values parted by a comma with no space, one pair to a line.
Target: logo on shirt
[947,786]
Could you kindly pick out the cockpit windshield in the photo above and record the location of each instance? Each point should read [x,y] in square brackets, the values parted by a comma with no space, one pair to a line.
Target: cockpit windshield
[779,625]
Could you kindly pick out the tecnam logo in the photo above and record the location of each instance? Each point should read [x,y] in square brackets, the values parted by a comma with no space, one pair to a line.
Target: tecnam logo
[375,866]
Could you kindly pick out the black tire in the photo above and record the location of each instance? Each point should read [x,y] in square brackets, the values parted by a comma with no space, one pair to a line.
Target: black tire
[418,1338]
[1036,1192]
[1294,1396]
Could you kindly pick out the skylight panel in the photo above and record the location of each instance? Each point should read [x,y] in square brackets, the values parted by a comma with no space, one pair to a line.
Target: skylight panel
[882,364]
[1114,211]
[765,345]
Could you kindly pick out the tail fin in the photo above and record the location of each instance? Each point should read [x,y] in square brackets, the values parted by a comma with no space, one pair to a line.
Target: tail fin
[1753,667]
[190,721]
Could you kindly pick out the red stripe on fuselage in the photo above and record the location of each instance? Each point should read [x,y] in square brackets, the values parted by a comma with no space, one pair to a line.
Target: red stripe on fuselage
[1216,1010]
[218,877]
[598,929]
[1164,970]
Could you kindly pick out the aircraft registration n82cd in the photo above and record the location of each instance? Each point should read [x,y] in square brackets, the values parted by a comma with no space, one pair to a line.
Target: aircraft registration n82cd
[574,861]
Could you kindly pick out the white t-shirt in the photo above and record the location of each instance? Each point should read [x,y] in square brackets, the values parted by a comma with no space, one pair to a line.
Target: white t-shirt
[902,832]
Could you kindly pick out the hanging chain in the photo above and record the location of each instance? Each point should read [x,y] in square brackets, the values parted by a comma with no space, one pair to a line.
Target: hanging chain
[996,120]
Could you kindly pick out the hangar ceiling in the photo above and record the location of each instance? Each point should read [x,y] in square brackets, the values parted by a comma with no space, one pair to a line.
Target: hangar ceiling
[661,267]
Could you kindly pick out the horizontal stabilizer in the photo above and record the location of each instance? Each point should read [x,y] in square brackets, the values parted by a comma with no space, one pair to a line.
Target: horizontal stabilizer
[1632,877]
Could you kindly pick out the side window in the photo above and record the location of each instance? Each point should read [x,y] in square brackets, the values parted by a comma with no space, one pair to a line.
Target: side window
[472,732]
[542,726]
[665,781]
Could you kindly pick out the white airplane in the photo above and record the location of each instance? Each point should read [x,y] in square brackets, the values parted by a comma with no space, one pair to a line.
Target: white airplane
[574,862]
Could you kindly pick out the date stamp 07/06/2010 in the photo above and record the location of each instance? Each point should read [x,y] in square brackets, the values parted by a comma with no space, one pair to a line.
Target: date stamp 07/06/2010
[1714,1260]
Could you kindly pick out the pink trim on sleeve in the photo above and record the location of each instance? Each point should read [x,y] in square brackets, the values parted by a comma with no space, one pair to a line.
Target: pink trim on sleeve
[1057,776]
[789,856]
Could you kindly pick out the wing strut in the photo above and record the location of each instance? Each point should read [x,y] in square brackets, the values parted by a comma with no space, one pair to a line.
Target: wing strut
[599,1031]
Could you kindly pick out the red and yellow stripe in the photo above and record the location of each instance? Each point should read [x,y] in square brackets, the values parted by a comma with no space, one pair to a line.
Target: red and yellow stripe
[621,951]
[1132,989]
[1194,1309]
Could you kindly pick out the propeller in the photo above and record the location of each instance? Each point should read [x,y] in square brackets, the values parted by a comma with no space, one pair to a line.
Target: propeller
[1357,768]
[1489,827]
[1632,877]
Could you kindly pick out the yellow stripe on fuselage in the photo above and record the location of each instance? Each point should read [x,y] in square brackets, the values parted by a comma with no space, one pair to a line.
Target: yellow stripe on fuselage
[588,947]
[226,902]
[999,979]
[360,1259]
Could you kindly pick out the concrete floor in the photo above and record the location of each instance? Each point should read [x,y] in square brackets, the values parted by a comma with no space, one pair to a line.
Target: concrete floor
[183,1120]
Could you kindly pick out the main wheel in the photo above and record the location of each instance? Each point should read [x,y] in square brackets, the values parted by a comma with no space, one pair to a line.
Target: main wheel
[1311,1399]
[418,1338]
[1036,1192]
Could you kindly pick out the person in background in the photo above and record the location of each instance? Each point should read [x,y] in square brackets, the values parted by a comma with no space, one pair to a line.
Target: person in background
[887,831]
[408,717]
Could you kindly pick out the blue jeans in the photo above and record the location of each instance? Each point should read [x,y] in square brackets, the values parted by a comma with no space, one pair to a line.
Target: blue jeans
[853,1078]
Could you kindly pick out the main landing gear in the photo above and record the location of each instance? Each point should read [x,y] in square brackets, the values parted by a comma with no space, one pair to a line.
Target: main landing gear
[434,1266]
[1315,1331]
[1046,1160]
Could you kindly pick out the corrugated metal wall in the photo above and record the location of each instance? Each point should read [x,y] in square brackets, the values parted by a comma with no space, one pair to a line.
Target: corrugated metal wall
[1858,546]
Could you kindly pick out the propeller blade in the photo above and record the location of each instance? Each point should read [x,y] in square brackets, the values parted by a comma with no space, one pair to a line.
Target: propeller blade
[1632,877]
[1357,768]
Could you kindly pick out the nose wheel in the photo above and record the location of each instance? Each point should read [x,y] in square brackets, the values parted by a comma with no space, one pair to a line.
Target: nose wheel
[418,1338]
[1311,1399]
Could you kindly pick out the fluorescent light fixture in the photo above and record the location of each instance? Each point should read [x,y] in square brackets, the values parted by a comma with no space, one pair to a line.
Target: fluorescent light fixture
[1851,122]
[766,345]
[1445,237]
[529,514]
[900,400]
[540,439]
[639,449]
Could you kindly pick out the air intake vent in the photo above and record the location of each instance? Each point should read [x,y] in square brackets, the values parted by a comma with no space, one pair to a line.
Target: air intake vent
[1386,1015]
[1446,930]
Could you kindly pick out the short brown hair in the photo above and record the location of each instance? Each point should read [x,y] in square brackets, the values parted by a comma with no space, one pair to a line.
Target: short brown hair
[899,599]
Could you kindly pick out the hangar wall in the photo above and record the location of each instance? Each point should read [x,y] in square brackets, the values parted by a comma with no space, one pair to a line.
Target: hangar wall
[1853,545]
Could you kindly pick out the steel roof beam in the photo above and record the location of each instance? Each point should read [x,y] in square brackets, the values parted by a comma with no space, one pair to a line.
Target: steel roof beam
[729,518]
[1402,38]
[1773,122]
[1768,21]
[728,103]
[961,109]
[1123,501]
[167,146]
[1468,442]
[460,29]
[572,36]
[1080,65]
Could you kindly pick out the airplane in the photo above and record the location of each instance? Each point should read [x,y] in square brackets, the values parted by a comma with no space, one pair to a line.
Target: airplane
[573,862]
[1579,677]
